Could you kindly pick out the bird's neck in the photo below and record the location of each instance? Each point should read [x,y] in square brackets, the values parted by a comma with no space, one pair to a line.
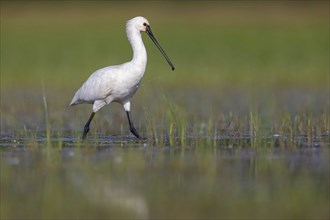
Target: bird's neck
[139,51]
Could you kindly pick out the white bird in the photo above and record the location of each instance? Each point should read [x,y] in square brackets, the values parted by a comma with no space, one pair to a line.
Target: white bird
[120,82]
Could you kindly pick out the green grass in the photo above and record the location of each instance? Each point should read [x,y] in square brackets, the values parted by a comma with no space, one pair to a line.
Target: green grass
[272,57]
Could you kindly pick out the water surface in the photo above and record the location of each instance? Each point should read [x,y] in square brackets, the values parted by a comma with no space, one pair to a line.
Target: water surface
[121,178]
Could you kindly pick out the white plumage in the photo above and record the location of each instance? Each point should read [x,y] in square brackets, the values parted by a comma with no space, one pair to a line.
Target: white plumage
[120,82]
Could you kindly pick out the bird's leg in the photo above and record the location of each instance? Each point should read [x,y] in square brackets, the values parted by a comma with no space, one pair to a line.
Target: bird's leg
[131,126]
[86,127]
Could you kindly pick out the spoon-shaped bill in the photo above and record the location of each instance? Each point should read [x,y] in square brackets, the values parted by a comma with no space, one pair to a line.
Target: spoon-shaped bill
[150,34]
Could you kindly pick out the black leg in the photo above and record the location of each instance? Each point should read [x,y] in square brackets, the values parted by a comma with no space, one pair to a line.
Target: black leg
[86,128]
[131,126]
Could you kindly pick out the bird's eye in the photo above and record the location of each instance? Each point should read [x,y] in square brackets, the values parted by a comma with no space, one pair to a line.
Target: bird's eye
[144,24]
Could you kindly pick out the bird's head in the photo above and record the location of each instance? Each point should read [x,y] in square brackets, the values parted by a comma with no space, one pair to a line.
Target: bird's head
[142,24]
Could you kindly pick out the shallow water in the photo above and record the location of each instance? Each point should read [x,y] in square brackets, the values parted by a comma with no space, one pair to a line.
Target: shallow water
[122,178]
[270,160]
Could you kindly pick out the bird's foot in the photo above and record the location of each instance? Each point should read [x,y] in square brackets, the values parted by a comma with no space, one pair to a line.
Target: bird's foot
[136,134]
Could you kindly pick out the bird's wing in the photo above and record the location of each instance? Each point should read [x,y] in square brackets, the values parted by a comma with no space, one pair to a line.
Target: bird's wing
[96,87]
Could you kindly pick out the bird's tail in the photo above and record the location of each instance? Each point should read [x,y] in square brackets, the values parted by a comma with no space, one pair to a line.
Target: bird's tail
[74,101]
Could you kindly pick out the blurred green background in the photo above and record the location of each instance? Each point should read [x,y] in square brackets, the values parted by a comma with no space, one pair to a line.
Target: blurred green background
[220,44]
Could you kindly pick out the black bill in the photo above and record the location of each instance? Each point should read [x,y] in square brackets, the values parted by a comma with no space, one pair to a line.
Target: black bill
[150,34]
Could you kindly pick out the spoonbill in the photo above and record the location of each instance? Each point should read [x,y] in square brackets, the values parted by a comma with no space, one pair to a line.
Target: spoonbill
[120,82]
